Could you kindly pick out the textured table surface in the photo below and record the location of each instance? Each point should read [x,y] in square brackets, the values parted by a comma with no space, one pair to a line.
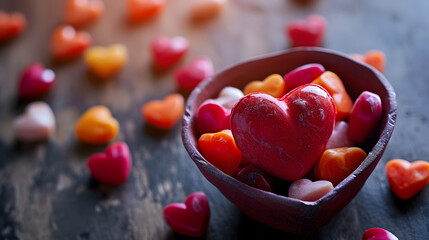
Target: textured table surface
[46,191]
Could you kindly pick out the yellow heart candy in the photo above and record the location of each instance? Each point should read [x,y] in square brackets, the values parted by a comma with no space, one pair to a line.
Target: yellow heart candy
[273,85]
[106,61]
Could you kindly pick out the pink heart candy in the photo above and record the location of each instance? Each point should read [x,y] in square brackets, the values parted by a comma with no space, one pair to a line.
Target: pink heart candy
[340,137]
[113,166]
[284,136]
[364,116]
[302,75]
[212,117]
[308,32]
[255,177]
[37,123]
[167,52]
[378,234]
[187,78]
[190,218]
[306,190]
[35,81]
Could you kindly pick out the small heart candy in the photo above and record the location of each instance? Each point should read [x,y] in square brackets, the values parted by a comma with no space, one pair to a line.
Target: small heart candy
[106,61]
[190,218]
[228,97]
[306,190]
[11,24]
[66,43]
[212,117]
[340,137]
[82,12]
[142,10]
[187,78]
[167,52]
[308,32]
[35,80]
[205,9]
[407,179]
[302,75]
[166,113]
[273,85]
[378,234]
[113,166]
[285,136]
[37,123]
[255,177]
[375,58]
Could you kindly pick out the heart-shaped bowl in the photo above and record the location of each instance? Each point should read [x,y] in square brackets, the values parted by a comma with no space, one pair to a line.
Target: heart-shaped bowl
[278,211]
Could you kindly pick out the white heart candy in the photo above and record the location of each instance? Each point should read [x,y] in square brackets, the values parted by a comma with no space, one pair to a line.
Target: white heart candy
[306,190]
[228,97]
[339,137]
[37,123]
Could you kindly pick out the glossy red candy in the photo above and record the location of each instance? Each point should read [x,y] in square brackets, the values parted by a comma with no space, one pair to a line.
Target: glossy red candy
[378,234]
[302,75]
[308,32]
[212,117]
[255,177]
[187,78]
[167,52]
[35,81]
[284,136]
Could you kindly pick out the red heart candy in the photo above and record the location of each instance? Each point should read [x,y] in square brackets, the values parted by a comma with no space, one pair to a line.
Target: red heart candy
[167,52]
[284,136]
[190,218]
[67,43]
[378,234]
[255,177]
[302,75]
[35,81]
[308,32]
[187,78]
[113,166]
[11,24]
[212,117]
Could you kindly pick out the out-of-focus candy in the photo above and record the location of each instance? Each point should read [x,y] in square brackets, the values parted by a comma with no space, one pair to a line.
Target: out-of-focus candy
[190,218]
[113,166]
[306,190]
[166,113]
[343,102]
[340,137]
[255,177]
[302,75]
[220,150]
[96,126]
[407,179]
[364,116]
[336,164]
[82,12]
[37,123]
[378,234]
[11,24]
[308,32]
[67,43]
[142,10]
[212,117]
[375,58]
[206,9]
[35,80]
[273,85]
[167,52]
[106,61]
[187,78]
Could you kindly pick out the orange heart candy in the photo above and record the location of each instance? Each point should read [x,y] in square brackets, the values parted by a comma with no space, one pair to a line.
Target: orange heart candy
[96,126]
[337,163]
[11,24]
[81,12]
[166,113]
[333,84]
[141,10]
[105,62]
[407,179]
[67,43]
[221,151]
[375,58]
[273,85]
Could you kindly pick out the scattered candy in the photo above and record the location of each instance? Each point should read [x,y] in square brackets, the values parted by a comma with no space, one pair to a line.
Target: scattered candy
[273,85]
[378,234]
[113,166]
[96,126]
[407,179]
[336,164]
[106,61]
[35,81]
[37,123]
[11,24]
[167,52]
[212,117]
[206,9]
[308,32]
[333,84]
[375,58]
[302,75]
[220,150]
[190,218]
[82,12]
[66,43]
[142,10]
[340,137]
[306,190]
[364,117]
[166,113]
[255,177]
[285,136]
[187,78]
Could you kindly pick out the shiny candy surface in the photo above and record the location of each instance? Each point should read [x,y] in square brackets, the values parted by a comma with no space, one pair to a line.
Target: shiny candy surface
[67,43]
[164,113]
[37,123]
[273,85]
[212,117]
[340,137]
[35,81]
[302,75]
[97,126]
[306,190]
[166,52]
[378,234]
[105,62]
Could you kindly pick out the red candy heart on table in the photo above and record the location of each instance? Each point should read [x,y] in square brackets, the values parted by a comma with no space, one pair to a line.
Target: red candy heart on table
[306,190]
[255,177]
[67,43]
[11,24]
[308,32]
[212,117]
[35,81]
[284,136]
[187,78]
[190,218]
[113,166]
[81,12]
[378,234]
[167,52]
[302,75]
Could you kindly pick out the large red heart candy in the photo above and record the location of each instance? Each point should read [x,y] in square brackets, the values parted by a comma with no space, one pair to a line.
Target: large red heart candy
[167,52]
[187,78]
[308,32]
[113,166]
[284,136]
[35,81]
[190,218]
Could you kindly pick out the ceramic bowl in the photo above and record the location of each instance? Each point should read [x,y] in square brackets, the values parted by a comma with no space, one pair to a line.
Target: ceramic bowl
[281,212]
